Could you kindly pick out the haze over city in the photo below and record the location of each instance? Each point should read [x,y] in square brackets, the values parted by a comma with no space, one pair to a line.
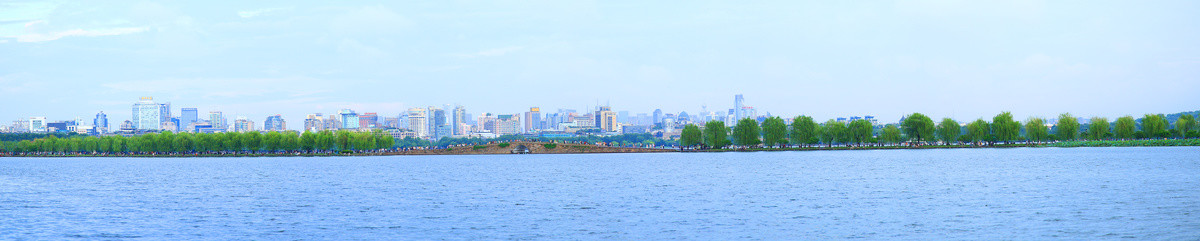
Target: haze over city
[963,60]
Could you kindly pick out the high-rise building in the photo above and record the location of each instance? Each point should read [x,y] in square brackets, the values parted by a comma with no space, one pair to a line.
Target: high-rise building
[274,123]
[218,121]
[187,116]
[100,123]
[368,120]
[608,120]
[657,116]
[349,119]
[417,122]
[438,118]
[314,122]
[37,124]
[508,124]
[242,124]
[737,106]
[460,118]
[391,122]
[533,118]
[486,123]
[148,115]
[332,123]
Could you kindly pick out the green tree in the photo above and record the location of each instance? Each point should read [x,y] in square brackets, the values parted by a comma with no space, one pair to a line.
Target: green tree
[832,132]
[1067,128]
[978,131]
[746,133]
[918,127]
[774,132]
[859,131]
[182,143]
[308,141]
[1186,123]
[948,131]
[253,141]
[272,141]
[1154,125]
[890,135]
[384,140]
[1004,129]
[716,135]
[1036,131]
[1098,128]
[327,140]
[690,136]
[343,140]
[804,131]
[1125,127]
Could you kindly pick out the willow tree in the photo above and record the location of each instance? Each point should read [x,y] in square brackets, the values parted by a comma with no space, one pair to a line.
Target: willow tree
[1097,128]
[890,135]
[918,127]
[1153,125]
[804,131]
[1067,128]
[746,133]
[1036,131]
[1125,128]
[716,135]
[978,131]
[774,132]
[1186,123]
[860,131]
[690,136]
[1004,129]
[948,131]
[832,131]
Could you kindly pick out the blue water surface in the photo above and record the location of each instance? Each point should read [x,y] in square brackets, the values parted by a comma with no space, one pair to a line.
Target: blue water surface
[1150,193]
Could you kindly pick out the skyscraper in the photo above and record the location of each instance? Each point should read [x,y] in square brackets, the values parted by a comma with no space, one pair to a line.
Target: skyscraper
[100,124]
[460,118]
[243,125]
[417,122]
[37,124]
[657,116]
[349,119]
[187,116]
[314,122]
[533,119]
[607,119]
[737,107]
[274,123]
[368,120]
[218,121]
[148,115]
[508,124]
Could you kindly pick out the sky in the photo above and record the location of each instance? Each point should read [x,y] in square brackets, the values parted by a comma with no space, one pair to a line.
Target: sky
[825,59]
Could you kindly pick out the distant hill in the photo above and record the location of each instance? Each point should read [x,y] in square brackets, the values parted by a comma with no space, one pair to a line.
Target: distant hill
[1172,117]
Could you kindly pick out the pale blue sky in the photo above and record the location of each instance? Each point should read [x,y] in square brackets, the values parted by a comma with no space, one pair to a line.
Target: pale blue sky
[960,59]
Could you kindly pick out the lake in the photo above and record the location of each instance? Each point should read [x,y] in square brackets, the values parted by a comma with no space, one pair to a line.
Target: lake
[1141,193]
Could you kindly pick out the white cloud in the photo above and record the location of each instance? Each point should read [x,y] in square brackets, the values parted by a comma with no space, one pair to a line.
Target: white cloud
[492,52]
[260,12]
[39,37]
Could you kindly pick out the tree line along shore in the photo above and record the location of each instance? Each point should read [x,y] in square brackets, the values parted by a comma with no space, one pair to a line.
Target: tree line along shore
[914,131]
[323,143]
[918,130]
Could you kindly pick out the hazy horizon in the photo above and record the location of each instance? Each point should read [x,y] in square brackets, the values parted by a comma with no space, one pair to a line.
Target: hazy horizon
[963,60]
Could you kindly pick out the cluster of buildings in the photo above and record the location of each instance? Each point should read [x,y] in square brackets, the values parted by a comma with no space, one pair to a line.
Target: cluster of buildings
[431,122]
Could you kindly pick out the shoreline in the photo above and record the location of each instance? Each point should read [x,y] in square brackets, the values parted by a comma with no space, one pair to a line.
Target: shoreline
[538,148]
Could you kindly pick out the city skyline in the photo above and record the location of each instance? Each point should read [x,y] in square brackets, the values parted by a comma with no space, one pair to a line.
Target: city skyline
[963,60]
